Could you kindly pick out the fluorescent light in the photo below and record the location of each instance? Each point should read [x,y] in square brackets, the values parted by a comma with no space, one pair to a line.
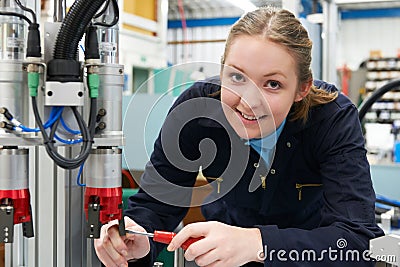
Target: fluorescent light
[245,5]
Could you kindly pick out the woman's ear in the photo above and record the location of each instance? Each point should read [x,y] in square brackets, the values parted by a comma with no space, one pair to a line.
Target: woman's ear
[303,92]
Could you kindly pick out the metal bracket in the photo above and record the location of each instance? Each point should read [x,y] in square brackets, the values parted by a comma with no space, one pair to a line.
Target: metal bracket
[93,225]
[121,225]
[6,224]
[56,94]
[27,227]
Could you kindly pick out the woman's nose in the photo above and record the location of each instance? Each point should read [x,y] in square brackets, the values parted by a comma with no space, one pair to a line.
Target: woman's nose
[252,98]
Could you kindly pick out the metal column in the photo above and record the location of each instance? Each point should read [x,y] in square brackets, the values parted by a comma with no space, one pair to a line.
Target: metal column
[329,43]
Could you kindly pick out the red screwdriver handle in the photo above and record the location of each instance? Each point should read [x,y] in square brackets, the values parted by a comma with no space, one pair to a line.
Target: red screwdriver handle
[190,241]
[163,237]
[166,237]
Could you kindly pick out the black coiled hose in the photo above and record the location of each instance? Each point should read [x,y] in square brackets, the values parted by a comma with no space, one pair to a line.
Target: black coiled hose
[376,95]
[73,28]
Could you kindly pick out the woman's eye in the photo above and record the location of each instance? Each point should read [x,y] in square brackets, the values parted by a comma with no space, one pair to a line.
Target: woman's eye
[237,77]
[273,85]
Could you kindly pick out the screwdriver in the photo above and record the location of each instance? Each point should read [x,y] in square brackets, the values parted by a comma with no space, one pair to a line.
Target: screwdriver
[165,237]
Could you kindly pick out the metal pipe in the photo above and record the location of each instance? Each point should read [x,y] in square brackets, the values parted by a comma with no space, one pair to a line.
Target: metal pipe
[12,33]
[109,44]
[108,37]
[60,7]
[329,32]
[110,100]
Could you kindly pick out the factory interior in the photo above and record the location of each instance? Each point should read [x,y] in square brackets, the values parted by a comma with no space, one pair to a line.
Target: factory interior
[70,159]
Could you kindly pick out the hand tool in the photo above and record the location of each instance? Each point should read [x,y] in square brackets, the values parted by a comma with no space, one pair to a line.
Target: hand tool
[165,237]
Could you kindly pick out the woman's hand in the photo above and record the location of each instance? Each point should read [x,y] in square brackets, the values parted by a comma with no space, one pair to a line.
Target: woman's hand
[223,245]
[115,250]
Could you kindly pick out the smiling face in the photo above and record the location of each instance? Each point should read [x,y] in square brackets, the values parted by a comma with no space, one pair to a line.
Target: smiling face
[259,84]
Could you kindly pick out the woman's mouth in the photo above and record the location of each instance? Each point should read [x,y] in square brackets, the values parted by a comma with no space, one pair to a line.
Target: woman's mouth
[250,117]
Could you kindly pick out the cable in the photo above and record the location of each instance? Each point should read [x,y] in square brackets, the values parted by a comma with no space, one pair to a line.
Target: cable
[92,116]
[73,27]
[54,114]
[101,12]
[86,132]
[115,19]
[65,68]
[87,138]
[68,163]
[79,175]
[387,201]
[6,13]
[72,142]
[27,9]
[367,103]
[67,128]
[39,120]
[128,175]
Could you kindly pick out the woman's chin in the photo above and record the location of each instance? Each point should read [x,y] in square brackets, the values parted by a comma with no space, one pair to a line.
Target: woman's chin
[253,134]
[247,135]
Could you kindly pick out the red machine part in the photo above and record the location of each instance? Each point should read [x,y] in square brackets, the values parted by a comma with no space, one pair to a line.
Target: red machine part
[109,199]
[21,203]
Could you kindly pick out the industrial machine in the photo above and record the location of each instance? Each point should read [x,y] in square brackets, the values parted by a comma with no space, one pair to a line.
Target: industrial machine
[385,249]
[60,131]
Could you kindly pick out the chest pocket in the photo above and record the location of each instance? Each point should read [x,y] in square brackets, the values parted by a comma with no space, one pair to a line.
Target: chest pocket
[307,188]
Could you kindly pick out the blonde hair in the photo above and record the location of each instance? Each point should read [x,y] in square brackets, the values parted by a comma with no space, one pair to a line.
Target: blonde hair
[282,27]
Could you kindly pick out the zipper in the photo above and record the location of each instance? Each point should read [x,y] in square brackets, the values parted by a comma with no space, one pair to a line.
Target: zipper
[263,178]
[263,181]
[219,180]
[299,187]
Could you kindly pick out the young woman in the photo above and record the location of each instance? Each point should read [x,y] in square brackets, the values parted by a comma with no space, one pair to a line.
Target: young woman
[294,186]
